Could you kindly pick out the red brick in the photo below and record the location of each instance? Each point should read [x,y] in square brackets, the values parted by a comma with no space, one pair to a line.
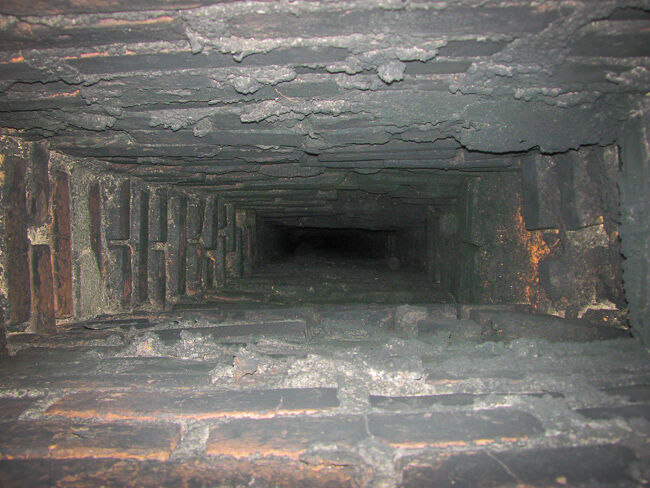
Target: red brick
[454,428]
[404,403]
[17,262]
[43,315]
[40,187]
[79,369]
[603,465]
[283,436]
[61,232]
[108,473]
[46,439]
[149,406]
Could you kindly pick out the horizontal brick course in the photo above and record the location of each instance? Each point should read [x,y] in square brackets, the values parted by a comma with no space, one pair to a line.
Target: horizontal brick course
[285,328]
[150,406]
[606,465]
[284,436]
[451,428]
[115,473]
[641,410]
[48,439]
[633,393]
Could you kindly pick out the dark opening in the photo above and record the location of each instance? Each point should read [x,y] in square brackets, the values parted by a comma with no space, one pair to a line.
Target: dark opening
[343,244]
[334,263]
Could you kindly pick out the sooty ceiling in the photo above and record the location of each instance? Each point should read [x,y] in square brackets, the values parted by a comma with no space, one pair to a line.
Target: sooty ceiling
[238,94]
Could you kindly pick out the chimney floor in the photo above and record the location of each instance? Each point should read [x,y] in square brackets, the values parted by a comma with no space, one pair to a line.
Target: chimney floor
[321,395]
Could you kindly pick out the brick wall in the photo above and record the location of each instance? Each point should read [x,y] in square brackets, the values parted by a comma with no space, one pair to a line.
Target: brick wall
[79,240]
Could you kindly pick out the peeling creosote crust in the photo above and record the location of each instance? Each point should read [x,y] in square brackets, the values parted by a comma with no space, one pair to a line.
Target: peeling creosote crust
[553,74]
[309,243]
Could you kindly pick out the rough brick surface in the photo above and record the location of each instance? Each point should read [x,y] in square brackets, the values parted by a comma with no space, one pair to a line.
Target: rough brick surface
[17,245]
[635,219]
[70,338]
[448,428]
[154,366]
[43,439]
[498,414]
[641,410]
[508,326]
[633,393]
[206,405]
[421,401]
[279,328]
[607,465]
[111,473]
[11,408]
[62,242]
[284,437]
[43,313]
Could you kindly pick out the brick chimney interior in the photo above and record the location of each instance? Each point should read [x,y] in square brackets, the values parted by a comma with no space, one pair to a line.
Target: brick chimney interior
[309,243]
